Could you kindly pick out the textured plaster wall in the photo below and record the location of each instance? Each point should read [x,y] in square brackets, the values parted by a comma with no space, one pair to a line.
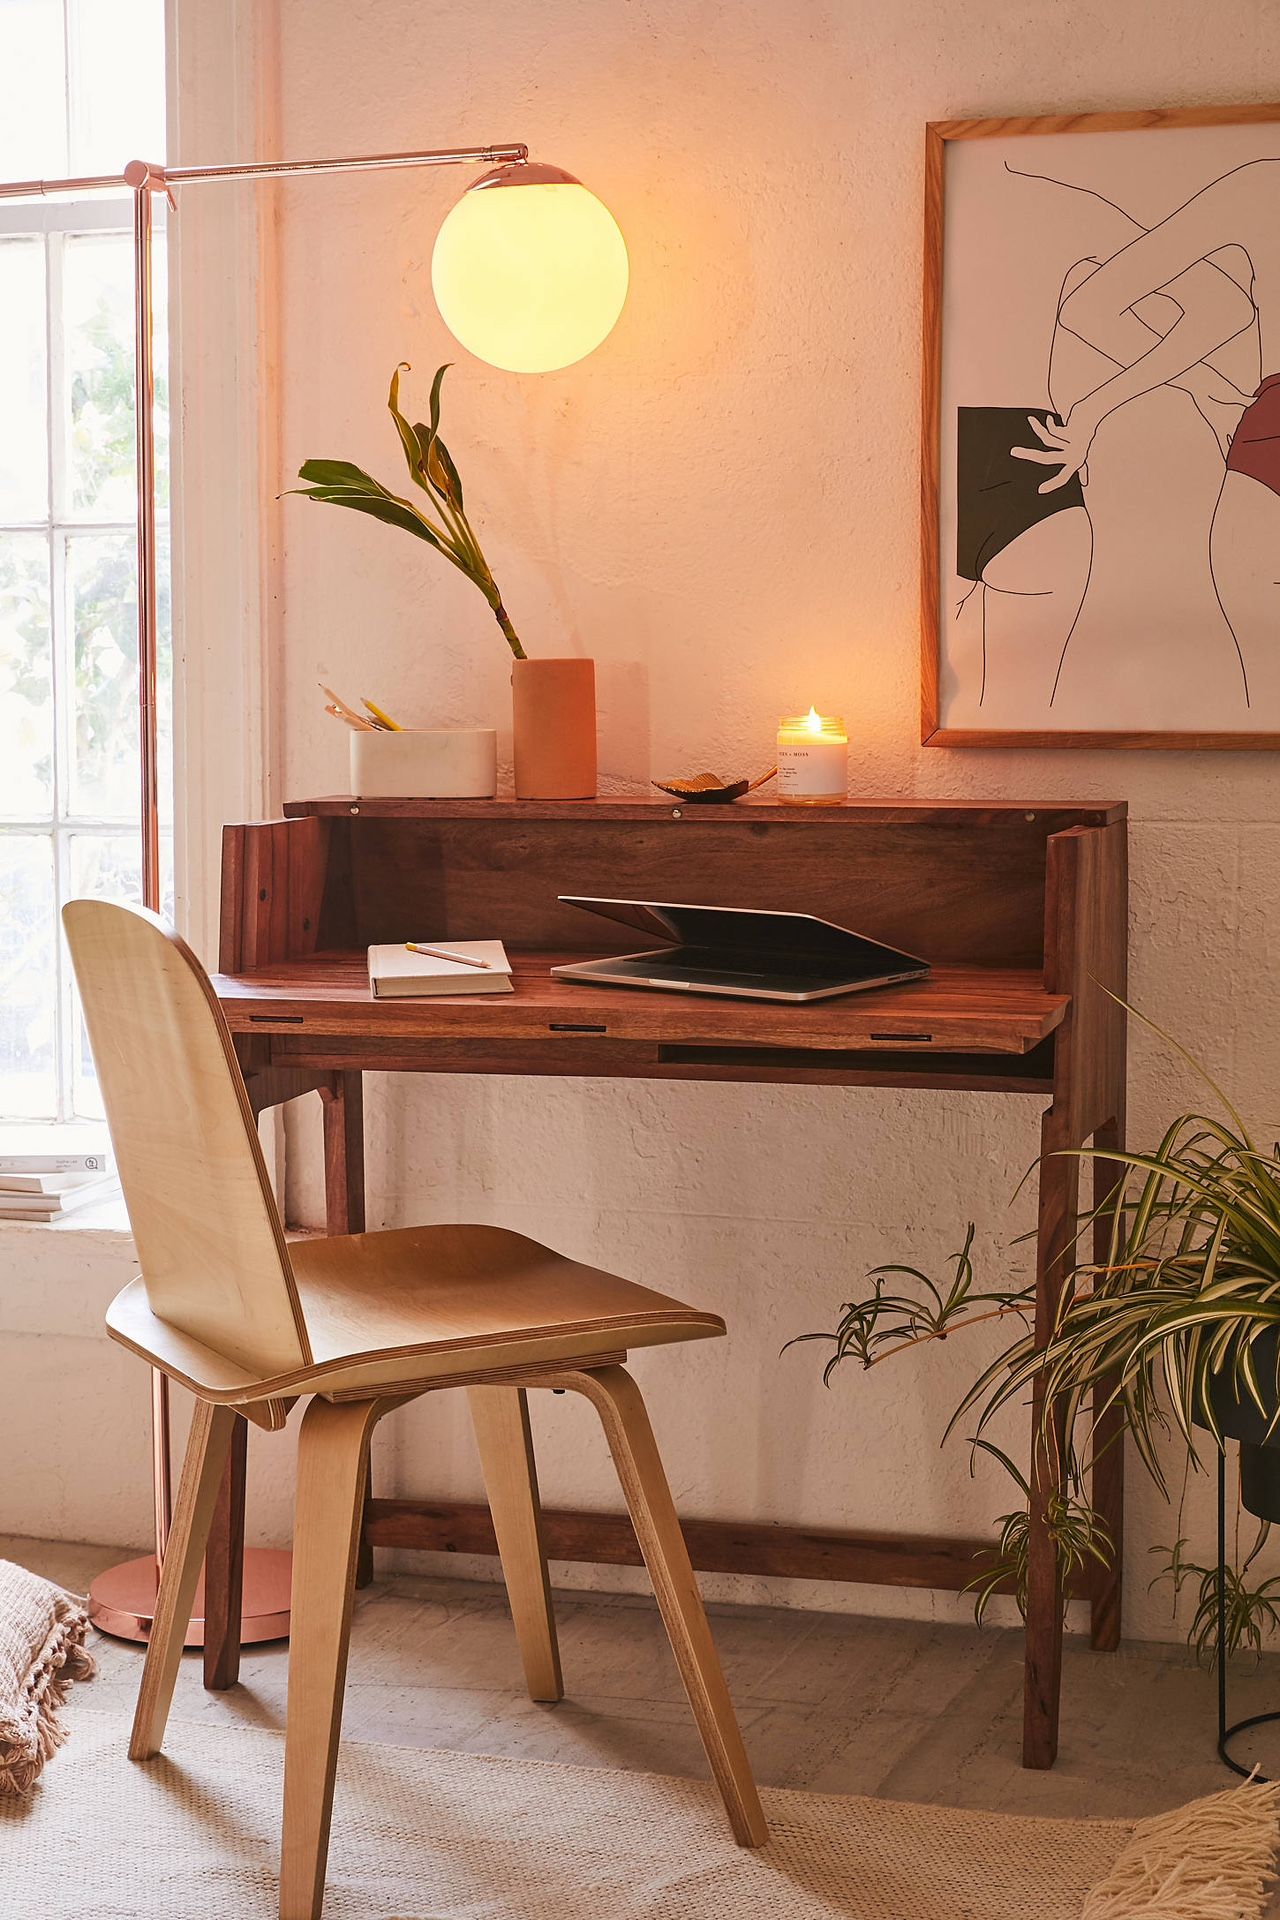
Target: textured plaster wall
[721,507]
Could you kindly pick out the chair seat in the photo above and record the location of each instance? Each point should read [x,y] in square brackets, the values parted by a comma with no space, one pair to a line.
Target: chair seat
[424,1304]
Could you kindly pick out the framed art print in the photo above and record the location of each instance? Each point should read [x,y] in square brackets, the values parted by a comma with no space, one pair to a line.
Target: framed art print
[1101,472]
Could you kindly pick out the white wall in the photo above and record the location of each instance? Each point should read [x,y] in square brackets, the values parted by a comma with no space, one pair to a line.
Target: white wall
[721,506]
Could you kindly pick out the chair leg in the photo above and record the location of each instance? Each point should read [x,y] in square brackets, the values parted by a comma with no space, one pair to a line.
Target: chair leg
[333,1459]
[617,1399]
[207,1452]
[224,1571]
[501,1419]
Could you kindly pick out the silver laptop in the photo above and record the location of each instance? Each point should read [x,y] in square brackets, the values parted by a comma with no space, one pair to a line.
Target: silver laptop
[742,951]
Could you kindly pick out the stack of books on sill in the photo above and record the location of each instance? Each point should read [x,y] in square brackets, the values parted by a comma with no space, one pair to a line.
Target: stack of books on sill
[45,1181]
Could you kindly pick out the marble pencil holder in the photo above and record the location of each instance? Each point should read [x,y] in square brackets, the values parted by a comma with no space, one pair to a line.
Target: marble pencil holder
[435,763]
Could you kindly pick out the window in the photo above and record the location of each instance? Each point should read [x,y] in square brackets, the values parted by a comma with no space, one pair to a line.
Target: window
[81,92]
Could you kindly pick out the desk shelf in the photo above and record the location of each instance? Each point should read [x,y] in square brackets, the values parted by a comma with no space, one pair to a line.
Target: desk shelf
[758,809]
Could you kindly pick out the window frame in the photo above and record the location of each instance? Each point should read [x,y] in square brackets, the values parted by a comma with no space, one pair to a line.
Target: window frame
[221,89]
[52,222]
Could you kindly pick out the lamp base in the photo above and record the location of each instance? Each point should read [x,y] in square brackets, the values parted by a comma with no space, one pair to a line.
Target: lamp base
[122,1601]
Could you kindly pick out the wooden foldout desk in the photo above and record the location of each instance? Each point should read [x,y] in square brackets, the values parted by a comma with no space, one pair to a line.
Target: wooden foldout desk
[1022,910]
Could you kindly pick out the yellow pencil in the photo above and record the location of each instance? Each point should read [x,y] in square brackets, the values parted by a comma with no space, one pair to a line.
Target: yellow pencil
[384,718]
[443,953]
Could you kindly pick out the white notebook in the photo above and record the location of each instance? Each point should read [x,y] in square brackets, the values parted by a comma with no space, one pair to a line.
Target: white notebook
[397,974]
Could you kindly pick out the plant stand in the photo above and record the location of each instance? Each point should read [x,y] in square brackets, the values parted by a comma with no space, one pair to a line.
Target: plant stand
[1227,1732]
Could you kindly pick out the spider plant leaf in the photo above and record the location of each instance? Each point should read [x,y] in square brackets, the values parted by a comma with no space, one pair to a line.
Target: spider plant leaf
[1015,1473]
[1264,1531]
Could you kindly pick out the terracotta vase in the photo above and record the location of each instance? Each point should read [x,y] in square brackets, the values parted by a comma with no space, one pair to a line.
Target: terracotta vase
[553,711]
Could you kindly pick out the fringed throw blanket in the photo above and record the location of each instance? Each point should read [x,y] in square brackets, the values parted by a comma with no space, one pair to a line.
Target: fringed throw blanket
[42,1651]
[1211,1860]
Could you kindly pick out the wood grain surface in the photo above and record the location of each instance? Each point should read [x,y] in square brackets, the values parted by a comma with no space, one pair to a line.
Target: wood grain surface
[1004,1010]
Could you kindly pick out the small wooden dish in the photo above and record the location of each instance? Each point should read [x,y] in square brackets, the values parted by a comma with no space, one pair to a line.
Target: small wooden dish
[712,788]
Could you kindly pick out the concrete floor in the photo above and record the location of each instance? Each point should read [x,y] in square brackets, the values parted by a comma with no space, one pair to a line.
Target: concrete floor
[835,1703]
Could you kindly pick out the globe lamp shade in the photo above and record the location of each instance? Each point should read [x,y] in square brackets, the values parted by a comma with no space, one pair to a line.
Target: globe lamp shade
[529,270]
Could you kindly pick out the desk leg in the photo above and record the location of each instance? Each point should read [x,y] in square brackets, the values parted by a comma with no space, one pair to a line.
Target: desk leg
[1107,1480]
[224,1570]
[344,1154]
[344,1206]
[1059,1197]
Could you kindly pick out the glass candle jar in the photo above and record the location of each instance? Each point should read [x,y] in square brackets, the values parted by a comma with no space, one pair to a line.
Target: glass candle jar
[813,759]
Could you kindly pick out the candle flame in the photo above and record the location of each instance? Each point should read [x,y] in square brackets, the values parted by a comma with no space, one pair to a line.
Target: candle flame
[813,720]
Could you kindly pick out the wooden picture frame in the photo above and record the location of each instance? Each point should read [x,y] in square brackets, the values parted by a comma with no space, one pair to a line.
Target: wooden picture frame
[1193,671]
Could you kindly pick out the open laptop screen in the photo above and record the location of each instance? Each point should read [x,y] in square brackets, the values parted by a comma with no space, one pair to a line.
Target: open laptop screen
[737,936]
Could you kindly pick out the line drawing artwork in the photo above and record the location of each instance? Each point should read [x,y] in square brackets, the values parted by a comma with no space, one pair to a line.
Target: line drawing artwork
[1183,317]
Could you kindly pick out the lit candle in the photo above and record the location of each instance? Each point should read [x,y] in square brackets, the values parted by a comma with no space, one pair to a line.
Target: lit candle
[813,759]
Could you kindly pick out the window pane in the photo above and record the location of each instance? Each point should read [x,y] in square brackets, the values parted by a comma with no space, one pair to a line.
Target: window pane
[33,108]
[28,991]
[116,59]
[26,678]
[24,457]
[104,637]
[101,575]
[97,408]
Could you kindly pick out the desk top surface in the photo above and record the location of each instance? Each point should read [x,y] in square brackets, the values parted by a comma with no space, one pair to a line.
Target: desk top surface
[1000,1010]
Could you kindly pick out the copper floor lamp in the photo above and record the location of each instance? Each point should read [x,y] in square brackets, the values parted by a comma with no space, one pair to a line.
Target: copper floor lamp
[122,1600]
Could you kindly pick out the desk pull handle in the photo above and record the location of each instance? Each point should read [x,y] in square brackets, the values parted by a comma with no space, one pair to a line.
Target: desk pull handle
[905,1039]
[574,1026]
[277,1019]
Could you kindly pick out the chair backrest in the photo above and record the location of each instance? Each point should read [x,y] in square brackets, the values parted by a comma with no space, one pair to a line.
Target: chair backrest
[208,1233]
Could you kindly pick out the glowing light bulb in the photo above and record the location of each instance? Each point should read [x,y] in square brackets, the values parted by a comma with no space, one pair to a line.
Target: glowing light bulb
[529,270]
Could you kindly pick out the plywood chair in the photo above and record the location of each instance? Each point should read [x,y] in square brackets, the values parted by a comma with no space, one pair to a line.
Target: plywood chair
[361,1323]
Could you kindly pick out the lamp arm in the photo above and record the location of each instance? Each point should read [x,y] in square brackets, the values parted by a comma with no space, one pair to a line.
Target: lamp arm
[145,172]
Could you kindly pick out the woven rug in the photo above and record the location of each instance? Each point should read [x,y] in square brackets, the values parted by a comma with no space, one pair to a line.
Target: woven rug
[448,1836]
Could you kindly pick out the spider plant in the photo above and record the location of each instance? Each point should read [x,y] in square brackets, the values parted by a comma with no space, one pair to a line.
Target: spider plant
[1176,1328]
[1250,1611]
[884,1323]
[1167,1327]
[1078,1533]
[443,523]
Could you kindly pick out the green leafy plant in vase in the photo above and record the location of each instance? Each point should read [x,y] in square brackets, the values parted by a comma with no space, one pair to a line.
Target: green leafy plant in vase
[554,699]
[1174,1336]
[444,525]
